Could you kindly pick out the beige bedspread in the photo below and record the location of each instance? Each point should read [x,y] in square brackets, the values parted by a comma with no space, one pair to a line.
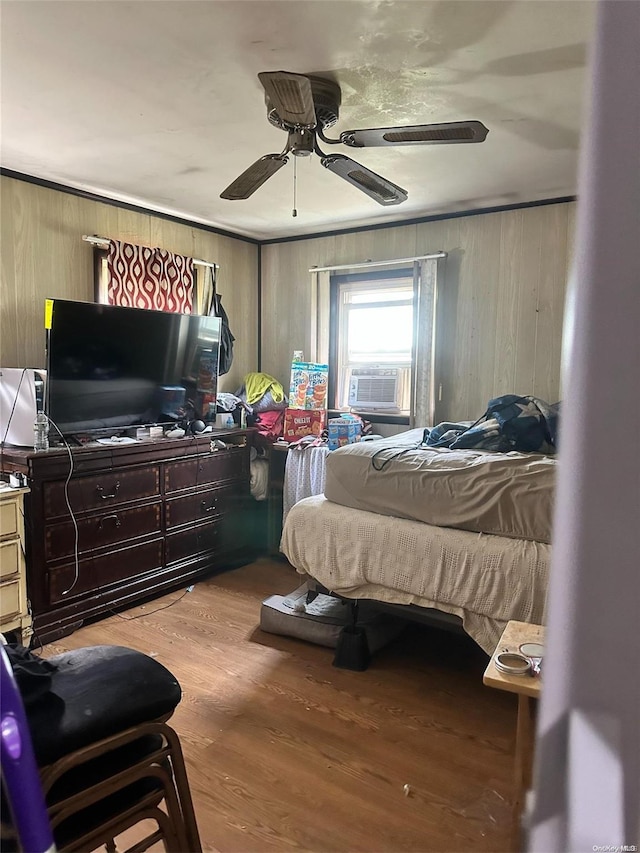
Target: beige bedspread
[506,494]
[486,580]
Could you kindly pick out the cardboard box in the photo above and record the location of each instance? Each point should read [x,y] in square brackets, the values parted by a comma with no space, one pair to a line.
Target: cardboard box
[308,387]
[344,430]
[299,423]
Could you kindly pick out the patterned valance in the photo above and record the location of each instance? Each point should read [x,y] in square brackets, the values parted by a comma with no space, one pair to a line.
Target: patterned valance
[140,277]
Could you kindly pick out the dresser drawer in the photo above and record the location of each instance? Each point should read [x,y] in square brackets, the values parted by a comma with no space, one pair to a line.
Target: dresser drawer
[195,540]
[214,467]
[8,518]
[99,572]
[200,506]
[100,491]
[9,558]
[9,599]
[111,527]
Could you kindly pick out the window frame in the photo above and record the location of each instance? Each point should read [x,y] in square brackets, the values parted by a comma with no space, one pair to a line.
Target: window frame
[338,319]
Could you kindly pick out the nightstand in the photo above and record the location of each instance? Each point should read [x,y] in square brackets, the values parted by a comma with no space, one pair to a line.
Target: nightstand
[528,690]
[14,613]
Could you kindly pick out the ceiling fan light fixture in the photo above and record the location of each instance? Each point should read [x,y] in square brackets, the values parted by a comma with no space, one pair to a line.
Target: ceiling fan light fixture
[254,177]
[380,189]
[301,143]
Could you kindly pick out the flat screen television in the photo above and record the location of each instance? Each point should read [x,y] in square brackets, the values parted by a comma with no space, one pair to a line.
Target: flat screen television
[111,368]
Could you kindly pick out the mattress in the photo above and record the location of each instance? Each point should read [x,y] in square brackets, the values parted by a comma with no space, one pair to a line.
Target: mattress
[485,580]
[504,494]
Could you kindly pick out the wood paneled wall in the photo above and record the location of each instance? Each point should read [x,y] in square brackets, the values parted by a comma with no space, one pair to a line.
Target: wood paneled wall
[501,292]
[43,255]
[500,308]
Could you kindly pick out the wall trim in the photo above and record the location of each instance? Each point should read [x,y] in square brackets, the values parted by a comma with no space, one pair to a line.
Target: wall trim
[52,185]
[420,219]
[136,208]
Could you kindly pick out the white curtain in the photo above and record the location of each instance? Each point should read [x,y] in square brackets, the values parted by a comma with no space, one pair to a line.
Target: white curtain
[425,290]
[320,314]
[205,289]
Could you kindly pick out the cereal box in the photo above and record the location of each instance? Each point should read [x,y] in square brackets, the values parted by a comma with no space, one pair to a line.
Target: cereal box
[344,430]
[308,388]
[299,423]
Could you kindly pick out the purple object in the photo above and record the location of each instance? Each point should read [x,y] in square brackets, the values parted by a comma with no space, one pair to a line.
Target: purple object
[19,769]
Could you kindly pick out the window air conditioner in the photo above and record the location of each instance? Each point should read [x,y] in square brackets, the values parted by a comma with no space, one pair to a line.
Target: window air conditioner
[375,388]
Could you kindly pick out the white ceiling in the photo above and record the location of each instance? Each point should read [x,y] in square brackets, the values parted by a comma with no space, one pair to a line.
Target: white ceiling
[158,103]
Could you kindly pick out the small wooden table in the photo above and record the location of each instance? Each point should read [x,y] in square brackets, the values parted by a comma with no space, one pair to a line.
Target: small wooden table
[528,690]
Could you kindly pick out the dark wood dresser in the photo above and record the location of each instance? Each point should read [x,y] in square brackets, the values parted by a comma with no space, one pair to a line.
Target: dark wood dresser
[151,516]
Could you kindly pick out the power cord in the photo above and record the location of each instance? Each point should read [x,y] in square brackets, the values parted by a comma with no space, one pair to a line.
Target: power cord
[151,612]
[67,501]
[380,466]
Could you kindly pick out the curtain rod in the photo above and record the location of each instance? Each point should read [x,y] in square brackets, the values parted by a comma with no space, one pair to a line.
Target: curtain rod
[392,263]
[105,242]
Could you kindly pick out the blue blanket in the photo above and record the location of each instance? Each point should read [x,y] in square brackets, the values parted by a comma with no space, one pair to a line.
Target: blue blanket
[510,422]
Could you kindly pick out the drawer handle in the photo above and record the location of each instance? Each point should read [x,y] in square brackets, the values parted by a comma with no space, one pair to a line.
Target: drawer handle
[99,490]
[209,508]
[113,517]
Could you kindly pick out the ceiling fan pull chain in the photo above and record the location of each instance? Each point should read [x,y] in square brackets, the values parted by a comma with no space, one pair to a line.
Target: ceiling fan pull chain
[294,212]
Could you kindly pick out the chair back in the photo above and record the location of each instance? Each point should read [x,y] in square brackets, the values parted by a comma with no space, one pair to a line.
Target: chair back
[20,774]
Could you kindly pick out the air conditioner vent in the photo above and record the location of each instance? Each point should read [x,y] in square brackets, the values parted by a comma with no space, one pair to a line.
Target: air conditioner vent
[375,388]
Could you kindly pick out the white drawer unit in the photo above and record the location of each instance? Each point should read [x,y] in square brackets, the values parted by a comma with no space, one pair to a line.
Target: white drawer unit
[14,615]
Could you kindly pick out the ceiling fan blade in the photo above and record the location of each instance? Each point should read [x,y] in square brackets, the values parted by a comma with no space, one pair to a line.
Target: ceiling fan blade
[418,134]
[378,188]
[254,177]
[290,95]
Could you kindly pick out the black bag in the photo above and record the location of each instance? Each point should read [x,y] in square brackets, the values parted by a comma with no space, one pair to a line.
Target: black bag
[226,337]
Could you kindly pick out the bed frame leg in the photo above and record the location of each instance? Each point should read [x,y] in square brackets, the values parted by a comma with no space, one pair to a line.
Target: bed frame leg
[352,648]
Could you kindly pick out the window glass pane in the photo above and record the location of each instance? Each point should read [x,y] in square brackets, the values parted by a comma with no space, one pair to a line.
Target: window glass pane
[381,334]
[374,328]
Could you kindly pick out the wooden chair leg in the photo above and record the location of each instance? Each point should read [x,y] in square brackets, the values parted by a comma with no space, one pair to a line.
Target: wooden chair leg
[183,790]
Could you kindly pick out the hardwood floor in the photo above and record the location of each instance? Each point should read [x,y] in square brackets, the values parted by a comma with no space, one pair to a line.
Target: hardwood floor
[286,752]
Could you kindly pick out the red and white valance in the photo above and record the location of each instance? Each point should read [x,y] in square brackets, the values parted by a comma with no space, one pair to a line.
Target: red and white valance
[140,277]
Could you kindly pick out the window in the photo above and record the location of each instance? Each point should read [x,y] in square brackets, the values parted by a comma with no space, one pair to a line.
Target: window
[372,341]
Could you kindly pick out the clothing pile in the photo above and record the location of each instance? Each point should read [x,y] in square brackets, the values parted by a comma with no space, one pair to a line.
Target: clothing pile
[525,424]
[265,401]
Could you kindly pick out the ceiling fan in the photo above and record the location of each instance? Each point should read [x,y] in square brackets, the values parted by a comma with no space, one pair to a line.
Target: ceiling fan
[305,106]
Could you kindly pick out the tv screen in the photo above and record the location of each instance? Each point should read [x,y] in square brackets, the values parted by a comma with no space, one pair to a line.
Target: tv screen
[110,368]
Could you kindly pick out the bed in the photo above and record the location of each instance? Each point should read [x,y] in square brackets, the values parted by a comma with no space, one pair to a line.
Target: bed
[463,532]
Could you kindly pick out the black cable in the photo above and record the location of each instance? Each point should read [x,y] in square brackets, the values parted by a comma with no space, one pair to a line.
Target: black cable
[443,442]
[382,465]
[151,612]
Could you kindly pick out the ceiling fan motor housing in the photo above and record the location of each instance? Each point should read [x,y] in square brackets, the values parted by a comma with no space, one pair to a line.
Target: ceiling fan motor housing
[326,102]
